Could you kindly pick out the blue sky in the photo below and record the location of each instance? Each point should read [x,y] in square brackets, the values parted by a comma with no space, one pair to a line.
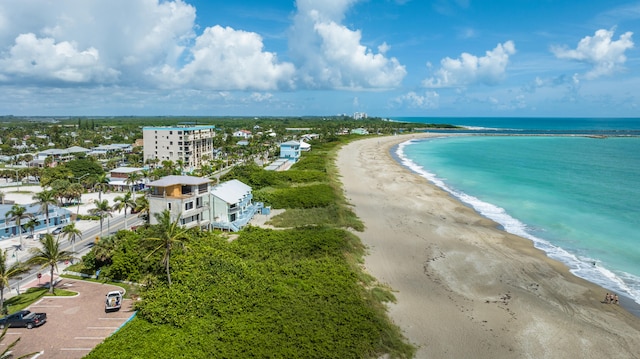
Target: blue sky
[388,58]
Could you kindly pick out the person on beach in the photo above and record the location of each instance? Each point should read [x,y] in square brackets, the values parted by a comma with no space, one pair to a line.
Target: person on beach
[607,298]
[615,298]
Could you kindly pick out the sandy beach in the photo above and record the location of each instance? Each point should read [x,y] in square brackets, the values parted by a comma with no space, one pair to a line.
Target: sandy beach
[464,288]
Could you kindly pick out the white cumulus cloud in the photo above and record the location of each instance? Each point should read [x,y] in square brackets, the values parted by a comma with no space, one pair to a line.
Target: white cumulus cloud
[330,55]
[604,54]
[470,69]
[44,59]
[130,43]
[224,58]
[412,99]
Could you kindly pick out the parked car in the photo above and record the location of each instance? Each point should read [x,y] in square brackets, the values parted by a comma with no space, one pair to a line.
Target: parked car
[57,231]
[23,318]
[30,236]
[114,301]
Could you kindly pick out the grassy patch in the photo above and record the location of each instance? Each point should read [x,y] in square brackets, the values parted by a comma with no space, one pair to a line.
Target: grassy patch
[32,295]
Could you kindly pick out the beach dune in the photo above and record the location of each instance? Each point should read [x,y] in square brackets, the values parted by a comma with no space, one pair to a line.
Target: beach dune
[465,288]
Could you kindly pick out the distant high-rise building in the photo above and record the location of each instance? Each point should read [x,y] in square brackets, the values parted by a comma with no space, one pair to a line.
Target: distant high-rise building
[359,115]
[187,144]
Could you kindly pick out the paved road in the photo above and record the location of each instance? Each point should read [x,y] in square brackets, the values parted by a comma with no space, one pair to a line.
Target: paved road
[90,230]
[75,325]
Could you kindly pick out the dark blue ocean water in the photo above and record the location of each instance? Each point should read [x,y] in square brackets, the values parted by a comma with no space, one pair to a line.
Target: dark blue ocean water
[576,197]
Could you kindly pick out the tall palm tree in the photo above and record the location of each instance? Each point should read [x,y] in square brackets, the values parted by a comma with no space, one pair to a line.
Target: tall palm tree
[32,224]
[124,202]
[72,233]
[49,255]
[8,272]
[74,192]
[17,213]
[102,210]
[101,184]
[170,233]
[132,180]
[45,199]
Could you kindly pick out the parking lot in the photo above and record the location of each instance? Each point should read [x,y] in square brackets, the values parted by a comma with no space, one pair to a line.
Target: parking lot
[75,325]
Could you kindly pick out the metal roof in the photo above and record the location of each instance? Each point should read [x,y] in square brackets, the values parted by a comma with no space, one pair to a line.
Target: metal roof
[231,191]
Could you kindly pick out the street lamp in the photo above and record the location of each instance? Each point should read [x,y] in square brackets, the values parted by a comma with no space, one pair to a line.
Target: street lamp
[81,177]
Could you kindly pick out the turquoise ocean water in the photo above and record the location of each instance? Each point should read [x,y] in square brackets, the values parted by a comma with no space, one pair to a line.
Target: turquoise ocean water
[576,197]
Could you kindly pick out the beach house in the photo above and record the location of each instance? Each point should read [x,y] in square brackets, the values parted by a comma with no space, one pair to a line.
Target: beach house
[186,197]
[290,150]
[232,205]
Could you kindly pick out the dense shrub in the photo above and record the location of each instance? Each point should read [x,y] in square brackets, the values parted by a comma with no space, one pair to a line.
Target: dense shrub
[269,294]
[311,196]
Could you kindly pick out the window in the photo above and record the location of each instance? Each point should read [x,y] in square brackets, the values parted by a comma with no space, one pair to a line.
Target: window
[171,132]
[179,132]
[169,206]
[188,206]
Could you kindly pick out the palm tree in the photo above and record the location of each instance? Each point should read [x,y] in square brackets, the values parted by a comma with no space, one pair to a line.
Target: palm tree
[170,233]
[101,183]
[31,224]
[45,199]
[72,233]
[49,255]
[75,191]
[104,248]
[124,202]
[17,213]
[101,210]
[142,208]
[8,272]
[132,180]
[8,350]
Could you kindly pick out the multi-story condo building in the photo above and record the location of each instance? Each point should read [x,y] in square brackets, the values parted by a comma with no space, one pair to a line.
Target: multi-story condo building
[186,145]
[186,197]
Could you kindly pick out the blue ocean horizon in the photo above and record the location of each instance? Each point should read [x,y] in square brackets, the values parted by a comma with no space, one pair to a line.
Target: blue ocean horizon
[576,197]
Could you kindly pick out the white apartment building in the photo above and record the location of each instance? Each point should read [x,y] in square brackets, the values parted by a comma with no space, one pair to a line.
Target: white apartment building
[187,144]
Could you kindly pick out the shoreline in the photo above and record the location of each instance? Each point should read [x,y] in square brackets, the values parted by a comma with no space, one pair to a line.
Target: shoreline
[625,301]
[464,287]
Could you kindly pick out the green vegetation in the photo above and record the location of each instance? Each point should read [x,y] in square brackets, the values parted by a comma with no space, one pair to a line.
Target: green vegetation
[29,297]
[292,293]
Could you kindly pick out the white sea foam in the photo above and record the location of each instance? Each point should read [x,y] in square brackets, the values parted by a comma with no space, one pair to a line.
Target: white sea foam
[622,283]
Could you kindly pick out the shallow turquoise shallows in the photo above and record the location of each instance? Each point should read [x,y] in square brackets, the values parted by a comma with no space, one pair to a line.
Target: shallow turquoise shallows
[576,197]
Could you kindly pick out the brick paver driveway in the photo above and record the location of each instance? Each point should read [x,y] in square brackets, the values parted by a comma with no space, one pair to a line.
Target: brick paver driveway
[75,325]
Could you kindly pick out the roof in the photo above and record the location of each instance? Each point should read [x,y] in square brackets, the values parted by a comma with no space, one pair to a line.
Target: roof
[174,180]
[290,143]
[178,128]
[231,191]
[53,151]
[77,149]
[126,169]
